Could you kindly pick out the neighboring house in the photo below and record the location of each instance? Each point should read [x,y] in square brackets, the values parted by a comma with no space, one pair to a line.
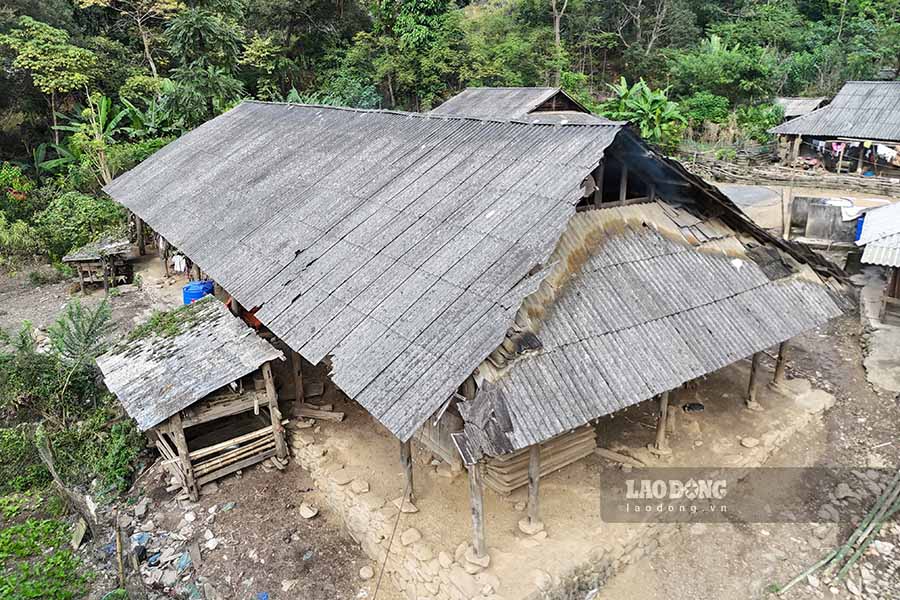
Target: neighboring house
[487,284]
[795,106]
[533,104]
[859,130]
[880,238]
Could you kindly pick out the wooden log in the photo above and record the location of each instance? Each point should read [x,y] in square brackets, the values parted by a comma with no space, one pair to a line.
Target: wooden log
[534,477]
[476,500]
[407,463]
[229,457]
[177,432]
[274,414]
[297,372]
[599,173]
[661,443]
[754,375]
[241,464]
[325,415]
[139,230]
[237,440]
[778,378]
[619,458]
[623,183]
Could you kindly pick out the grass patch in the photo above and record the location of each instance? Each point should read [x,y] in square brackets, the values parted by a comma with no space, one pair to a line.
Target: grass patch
[170,323]
[31,538]
[55,577]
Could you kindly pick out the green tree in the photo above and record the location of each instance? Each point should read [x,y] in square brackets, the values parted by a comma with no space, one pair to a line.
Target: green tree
[656,117]
[55,66]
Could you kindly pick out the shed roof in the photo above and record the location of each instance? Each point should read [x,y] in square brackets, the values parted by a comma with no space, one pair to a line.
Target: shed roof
[97,249]
[794,106]
[399,245]
[536,104]
[881,236]
[642,299]
[179,358]
[868,110]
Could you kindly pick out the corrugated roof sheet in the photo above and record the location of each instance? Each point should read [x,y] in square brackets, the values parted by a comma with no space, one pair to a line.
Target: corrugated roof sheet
[795,106]
[636,306]
[496,103]
[884,251]
[532,104]
[98,249]
[867,110]
[163,372]
[400,245]
[881,236]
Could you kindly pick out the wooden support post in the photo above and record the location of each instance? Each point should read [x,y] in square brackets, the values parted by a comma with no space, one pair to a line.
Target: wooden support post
[139,230]
[163,248]
[80,278]
[274,414]
[778,379]
[406,461]
[859,162]
[661,444]
[623,183]
[598,180]
[176,429]
[795,147]
[534,478]
[476,499]
[752,388]
[651,193]
[195,271]
[297,370]
[104,265]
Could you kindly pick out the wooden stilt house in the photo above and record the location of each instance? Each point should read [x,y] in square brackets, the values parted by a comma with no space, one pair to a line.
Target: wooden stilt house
[188,376]
[489,285]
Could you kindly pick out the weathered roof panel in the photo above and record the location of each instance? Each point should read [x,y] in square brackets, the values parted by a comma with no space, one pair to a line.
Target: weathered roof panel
[795,106]
[645,312]
[868,110]
[380,239]
[202,348]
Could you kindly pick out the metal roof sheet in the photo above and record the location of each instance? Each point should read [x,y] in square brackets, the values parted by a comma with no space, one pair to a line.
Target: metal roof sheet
[646,311]
[163,372]
[880,222]
[399,245]
[867,110]
[532,104]
[794,106]
[884,251]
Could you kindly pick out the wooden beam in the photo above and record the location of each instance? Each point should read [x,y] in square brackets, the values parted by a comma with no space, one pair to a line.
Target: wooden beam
[139,230]
[476,499]
[661,443]
[274,414]
[184,455]
[623,183]
[407,463]
[778,378]
[599,172]
[534,478]
[297,372]
[752,388]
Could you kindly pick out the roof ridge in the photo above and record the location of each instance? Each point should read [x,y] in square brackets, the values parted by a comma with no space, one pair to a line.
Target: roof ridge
[430,115]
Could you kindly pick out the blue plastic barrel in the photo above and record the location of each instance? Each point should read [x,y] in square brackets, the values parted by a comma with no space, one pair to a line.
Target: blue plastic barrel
[195,290]
[859,226]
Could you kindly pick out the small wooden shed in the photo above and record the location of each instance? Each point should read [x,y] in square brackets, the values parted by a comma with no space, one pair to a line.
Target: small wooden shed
[103,261]
[186,375]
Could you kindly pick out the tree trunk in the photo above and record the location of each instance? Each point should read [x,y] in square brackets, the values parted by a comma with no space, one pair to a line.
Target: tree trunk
[53,117]
[557,38]
[145,38]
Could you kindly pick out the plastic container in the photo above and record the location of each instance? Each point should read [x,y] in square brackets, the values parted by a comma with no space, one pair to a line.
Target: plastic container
[859,226]
[195,290]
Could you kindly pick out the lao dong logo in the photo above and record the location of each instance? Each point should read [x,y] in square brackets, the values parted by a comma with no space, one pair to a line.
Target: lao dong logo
[674,489]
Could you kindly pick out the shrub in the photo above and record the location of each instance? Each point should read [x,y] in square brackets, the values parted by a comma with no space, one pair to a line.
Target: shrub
[20,468]
[755,121]
[704,107]
[17,239]
[15,193]
[73,219]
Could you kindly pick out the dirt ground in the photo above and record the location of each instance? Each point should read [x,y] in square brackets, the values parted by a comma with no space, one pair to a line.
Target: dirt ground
[261,542]
[739,561]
